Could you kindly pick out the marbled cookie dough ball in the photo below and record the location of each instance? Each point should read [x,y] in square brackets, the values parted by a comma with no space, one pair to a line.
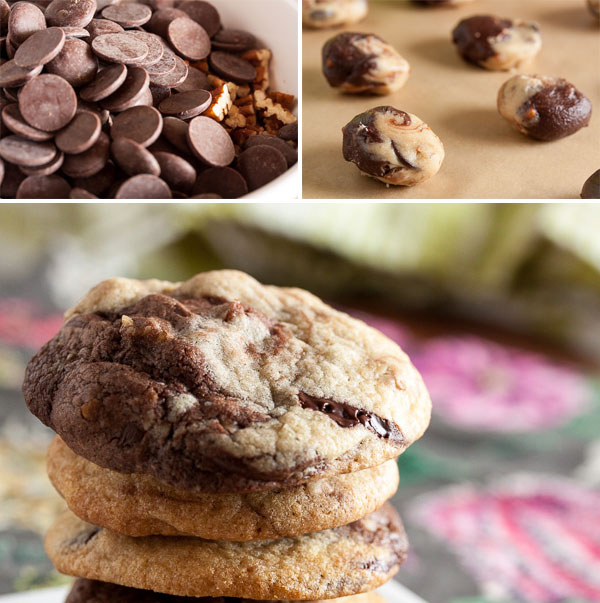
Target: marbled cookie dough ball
[591,188]
[393,146]
[357,62]
[594,6]
[545,108]
[441,2]
[497,44]
[331,13]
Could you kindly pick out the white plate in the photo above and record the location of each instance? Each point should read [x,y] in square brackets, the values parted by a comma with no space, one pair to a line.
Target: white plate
[394,592]
[275,24]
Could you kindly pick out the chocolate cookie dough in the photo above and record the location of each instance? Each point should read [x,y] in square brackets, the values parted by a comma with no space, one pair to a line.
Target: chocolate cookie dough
[348,560]
[591,188]
[222,384]
[331,13]
[392,146]
[357,62]
[94,591]
[545,108]
[594,6]
[140,505]
[497,44]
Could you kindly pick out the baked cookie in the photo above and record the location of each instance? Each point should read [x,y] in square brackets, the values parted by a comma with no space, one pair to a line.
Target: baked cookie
[140,505]
[94,591]
[356,63]
[497,44]
[331,13]
[545,108]
[344,561]
[223,384]
[392,146]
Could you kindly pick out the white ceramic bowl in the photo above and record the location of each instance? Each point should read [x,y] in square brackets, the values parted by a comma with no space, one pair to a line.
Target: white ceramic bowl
[275,24]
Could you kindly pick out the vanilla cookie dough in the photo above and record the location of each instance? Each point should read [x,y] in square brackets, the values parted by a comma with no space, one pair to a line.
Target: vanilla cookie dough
[545,108]
[94,591]
[332,13]
[497,44]
[357,63]
[348,560]
[392,146]
[221,384]
[140,505]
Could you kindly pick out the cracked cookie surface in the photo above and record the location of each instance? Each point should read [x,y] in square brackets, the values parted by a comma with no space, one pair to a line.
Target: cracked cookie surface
[94,591]
[140,505]
[344,561]
[223,384]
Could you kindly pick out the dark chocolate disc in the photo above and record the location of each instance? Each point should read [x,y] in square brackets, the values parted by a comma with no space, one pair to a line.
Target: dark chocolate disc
[225,182]
[143,186]
[48,102]
[188,38]
[210,142]
[260,165]
[232,68]
[44,187]
[40,48]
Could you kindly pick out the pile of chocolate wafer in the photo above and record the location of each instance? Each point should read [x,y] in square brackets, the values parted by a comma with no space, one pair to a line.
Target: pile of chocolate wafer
[219,438]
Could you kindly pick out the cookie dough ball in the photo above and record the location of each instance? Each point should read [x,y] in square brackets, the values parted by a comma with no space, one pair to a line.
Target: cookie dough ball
[393,146]
[497,44]
[591,188]
[356,62]
[331,13]
[441,2]
[594,6]
[545,108]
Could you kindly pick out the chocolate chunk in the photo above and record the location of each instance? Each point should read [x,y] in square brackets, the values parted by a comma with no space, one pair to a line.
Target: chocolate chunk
[21,151]
[156,48]
[12,118]
[140,124]
[195,79]
[48,102]
[159,23]
[80,134]
[210,142]
[11,75]
[289,132]
[120,48]
[74,13]
[225,182]
[164,65]
[186,105]
[143,186]
[188,38]
[40,48]
[47,168]
[174,77]
[105,83]
[176,132]
[89,162]
[591,188]
[133,158]
[75,32]
[176,171]
[75,63]
[43,187]
[98,27]
[130,92]
[346,415]
[232,67]
[128,14]
[288,151]
[234,40]
[260,165]
[204,13]
[24,20]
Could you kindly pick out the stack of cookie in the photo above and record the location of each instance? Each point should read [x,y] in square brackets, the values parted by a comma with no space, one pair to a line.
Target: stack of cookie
[221,438]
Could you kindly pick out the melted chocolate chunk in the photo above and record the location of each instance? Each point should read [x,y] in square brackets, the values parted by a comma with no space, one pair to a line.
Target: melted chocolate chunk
[471,36]
[361,132]
[84,537]
[346,415]
[559,111]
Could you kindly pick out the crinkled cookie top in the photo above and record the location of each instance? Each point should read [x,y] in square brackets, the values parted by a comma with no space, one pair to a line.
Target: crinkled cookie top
[220,383]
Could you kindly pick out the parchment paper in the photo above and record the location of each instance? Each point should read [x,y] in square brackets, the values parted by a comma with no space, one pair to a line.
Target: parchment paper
[485,157]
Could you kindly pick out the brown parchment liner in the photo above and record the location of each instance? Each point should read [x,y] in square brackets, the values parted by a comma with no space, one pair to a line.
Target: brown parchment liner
[485,157]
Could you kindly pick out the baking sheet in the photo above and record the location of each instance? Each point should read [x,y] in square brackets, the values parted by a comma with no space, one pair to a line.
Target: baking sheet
[485,157]
[393,591]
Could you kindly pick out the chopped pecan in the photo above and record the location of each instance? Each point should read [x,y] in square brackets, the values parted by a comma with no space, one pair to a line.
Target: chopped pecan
[272,109]
[272,124]
[202,65]
[285,100]
[260,59]
[243,90]
[221,104]
[235,119]
[241,135]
